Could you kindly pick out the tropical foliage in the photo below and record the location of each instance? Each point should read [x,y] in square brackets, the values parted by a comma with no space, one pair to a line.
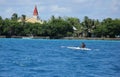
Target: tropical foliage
[58,27]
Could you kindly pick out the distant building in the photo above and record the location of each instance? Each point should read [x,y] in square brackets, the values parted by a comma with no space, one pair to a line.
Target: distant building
[34,19]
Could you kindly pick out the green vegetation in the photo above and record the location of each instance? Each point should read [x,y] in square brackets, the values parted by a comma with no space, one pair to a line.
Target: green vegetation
[58,27]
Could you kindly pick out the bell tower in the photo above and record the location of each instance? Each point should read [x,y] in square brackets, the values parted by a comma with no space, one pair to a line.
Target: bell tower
[35,13]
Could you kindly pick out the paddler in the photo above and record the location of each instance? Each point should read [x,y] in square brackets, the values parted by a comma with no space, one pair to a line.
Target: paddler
[83,45]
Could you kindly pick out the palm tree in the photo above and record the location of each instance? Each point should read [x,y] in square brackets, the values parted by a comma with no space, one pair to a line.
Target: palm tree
[14,17]
[23,17]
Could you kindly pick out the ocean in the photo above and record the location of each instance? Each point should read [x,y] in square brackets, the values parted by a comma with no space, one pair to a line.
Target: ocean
[54,58]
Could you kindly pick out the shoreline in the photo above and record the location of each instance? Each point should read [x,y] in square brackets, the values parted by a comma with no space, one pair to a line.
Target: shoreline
[69,38]
[94,38]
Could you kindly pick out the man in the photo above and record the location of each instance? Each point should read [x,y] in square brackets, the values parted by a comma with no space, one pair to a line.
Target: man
[83,45]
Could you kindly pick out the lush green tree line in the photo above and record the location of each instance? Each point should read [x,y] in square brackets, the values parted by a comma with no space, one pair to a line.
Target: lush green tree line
[57,27]
[108,28]
[54,28]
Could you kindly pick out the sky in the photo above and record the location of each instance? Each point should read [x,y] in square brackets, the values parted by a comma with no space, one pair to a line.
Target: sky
[94,9]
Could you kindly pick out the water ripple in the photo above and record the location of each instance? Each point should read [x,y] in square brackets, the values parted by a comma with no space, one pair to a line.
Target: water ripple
[51,58]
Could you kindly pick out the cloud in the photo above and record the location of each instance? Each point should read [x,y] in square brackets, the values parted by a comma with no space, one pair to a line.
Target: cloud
[8,12]
[80,1]
[58,9]
[74,8]
[115,6]
[20,2]
[2,2]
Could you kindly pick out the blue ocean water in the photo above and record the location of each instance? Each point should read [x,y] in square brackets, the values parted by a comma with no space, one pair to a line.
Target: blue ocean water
[52,58]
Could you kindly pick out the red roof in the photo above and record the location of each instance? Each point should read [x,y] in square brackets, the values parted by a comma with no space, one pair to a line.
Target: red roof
[35,12]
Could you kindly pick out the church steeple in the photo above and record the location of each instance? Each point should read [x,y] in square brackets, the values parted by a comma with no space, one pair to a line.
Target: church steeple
[35,12]
[34,19]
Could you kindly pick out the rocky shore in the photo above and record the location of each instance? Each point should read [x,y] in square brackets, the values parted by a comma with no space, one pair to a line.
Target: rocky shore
[70,38]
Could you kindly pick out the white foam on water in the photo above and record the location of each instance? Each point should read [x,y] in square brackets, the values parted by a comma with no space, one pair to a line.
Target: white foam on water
[78,48]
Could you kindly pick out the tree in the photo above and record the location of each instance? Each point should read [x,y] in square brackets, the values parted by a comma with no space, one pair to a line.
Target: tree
[57,28]
[113,28]
[87,25]
[107,21]
[23,17]
[1,23]
[108,28]
[14,17]
[1,18]
[52,19]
